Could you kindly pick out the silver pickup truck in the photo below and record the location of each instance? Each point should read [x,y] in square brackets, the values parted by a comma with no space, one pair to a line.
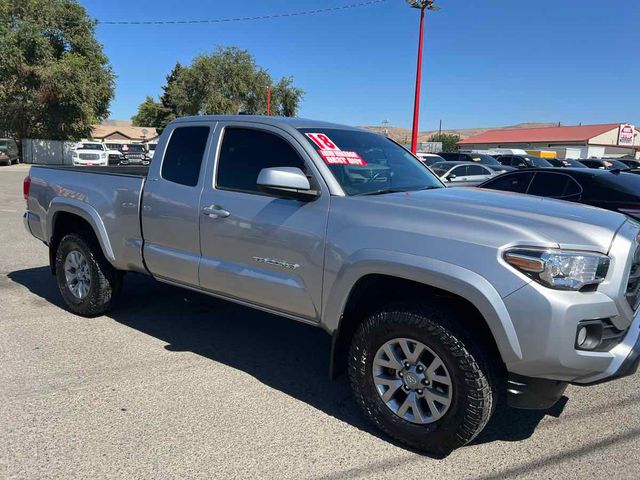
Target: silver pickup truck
[441,302]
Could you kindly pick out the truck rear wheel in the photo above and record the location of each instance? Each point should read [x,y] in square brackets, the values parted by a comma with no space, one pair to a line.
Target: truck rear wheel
[88,283]
[419,379]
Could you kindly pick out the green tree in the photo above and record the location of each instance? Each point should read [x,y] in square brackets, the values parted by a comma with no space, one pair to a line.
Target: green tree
[449,141]
[149,113]
[55,80]
[228,81]
[286,98]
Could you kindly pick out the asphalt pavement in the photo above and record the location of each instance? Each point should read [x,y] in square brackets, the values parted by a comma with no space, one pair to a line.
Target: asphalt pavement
[174,384]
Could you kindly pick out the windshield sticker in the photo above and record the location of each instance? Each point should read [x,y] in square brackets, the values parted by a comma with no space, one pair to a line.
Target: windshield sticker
[331,153]
[342,157]
[322,141]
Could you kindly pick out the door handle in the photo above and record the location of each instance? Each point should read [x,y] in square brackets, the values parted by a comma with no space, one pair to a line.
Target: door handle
[215,211]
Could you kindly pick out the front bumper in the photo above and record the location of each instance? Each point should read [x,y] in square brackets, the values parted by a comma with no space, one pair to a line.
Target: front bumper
[91,163]
[546,322]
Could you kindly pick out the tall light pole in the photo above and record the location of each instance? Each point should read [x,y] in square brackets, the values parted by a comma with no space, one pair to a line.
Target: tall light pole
[422,5]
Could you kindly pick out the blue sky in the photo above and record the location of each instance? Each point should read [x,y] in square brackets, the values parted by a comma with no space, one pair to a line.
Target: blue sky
[486,62]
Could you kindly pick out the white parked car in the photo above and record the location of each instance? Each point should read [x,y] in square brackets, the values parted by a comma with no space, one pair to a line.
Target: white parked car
[462,174]
[90,154]
[429,158]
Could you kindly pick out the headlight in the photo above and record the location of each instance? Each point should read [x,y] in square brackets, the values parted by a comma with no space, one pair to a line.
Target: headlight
[562,270]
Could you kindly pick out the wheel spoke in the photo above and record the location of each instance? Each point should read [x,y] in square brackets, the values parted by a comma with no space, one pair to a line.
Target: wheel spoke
[442,379]
[435,396]
[392,384]
[392,362]
[412,355]
[435,364]
[411,403]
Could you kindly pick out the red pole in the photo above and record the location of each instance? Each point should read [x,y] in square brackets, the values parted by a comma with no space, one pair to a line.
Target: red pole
[268,99]
[416,101]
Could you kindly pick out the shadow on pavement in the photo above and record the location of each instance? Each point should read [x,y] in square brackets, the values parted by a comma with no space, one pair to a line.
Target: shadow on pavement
[283,354]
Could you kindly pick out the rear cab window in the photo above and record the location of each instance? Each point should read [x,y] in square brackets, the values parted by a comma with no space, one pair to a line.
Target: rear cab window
[183,156]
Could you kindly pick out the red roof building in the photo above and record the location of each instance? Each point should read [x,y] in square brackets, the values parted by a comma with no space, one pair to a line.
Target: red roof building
[614,139]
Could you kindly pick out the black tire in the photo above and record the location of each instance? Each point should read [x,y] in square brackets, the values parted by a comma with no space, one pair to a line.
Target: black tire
[105,281]
[474,392]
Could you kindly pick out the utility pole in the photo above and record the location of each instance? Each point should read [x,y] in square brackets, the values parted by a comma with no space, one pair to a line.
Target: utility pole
[385,124]
[422,5]
[268,99]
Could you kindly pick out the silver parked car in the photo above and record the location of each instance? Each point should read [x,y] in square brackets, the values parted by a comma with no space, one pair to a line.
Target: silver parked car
[439,301]
[462,174]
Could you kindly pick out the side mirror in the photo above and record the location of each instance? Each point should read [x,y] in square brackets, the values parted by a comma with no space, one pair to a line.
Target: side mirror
[288,182]
[451,176]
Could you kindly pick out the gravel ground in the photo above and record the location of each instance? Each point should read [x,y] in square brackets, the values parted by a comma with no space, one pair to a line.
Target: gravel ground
[178,385]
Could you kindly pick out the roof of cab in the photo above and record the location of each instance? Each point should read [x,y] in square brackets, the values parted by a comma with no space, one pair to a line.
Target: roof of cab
[291,122]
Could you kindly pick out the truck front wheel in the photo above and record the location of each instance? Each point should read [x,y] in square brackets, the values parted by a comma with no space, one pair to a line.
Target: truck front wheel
[419,379]
[88,283]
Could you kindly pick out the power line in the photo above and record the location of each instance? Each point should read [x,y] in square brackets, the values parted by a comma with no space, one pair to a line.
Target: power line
[242,19]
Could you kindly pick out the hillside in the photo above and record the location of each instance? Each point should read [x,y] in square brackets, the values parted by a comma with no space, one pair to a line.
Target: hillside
[403,135]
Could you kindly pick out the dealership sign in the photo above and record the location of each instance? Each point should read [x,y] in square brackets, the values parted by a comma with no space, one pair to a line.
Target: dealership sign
[625,136]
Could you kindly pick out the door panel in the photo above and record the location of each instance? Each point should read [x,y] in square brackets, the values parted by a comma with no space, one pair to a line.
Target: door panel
[268,251]
[171,210]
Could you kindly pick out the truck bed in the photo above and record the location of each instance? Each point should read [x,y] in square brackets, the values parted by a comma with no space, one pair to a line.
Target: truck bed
[108,198]
[129,170]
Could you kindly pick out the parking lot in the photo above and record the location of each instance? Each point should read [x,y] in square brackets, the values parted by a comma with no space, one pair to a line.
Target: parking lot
[174,384]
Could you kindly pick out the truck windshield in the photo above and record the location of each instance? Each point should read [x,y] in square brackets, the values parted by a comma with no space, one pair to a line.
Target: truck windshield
[89,146]
[135,148]
[366,163]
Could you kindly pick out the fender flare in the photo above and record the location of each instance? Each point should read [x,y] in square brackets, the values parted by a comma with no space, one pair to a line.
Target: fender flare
[84,211]
[430,272]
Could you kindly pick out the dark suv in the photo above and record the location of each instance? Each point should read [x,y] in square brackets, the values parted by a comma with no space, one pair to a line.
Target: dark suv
[9,151]
[483,158]
[134,154]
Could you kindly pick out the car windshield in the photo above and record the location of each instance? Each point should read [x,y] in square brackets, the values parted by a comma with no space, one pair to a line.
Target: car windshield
[135,148]
[365,163]
[89,146]
[568,162]
[152,146]
[484,159]
[114,146]
[615,164]
[537,161]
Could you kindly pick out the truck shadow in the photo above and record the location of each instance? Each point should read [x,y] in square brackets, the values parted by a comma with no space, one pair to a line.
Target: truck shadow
[283,354]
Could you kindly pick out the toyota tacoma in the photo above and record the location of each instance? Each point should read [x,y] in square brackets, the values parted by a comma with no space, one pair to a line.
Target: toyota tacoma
[442,303]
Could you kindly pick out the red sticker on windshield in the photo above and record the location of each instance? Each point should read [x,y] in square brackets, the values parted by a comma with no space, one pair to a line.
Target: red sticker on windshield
[331,153]
[322,141]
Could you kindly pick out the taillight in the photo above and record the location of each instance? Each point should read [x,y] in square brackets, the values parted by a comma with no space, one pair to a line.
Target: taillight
[26,185]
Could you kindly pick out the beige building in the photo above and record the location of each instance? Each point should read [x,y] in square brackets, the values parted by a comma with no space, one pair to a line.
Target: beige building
[123,131]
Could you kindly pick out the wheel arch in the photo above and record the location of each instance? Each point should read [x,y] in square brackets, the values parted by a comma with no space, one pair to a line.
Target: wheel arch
[67,217]
[401,277]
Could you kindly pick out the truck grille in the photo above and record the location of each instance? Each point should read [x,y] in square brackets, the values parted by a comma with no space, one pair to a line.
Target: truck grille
[633,283]
[135,155]
[89,156]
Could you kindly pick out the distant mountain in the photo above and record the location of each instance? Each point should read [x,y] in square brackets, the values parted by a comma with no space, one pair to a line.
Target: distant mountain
[403,135]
